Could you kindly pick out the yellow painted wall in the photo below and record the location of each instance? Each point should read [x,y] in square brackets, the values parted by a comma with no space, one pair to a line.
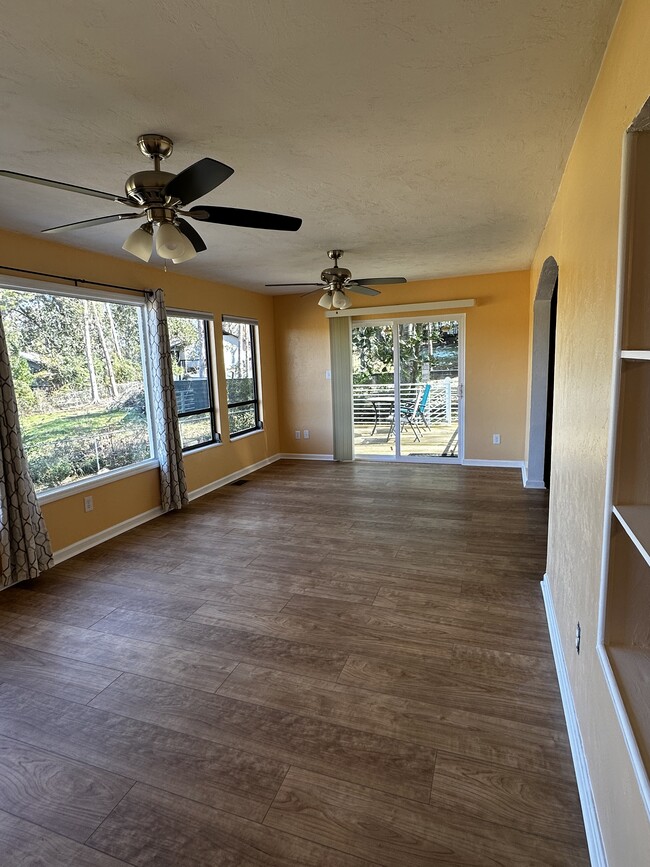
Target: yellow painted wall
[581,234]
[495,361]
[126,498]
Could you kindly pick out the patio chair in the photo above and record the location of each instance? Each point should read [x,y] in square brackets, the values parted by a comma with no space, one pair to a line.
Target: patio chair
[419,415]
[410,412]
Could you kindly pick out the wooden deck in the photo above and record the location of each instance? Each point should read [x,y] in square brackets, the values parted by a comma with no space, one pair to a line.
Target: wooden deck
[333,665]
[441,440]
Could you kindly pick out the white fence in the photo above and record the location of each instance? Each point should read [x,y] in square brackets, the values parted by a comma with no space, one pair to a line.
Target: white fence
[373,404]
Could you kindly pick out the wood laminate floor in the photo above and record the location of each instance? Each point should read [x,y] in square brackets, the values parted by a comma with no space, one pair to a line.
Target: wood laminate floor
[330,665]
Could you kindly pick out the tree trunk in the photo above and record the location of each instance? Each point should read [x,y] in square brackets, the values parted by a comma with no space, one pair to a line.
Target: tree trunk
[94,391]
[114,334]
[107,355]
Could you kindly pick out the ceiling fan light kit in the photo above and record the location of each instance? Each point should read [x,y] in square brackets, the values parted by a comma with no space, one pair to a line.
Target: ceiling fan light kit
[140,242]
[340,300]
[171,243]
[160,197]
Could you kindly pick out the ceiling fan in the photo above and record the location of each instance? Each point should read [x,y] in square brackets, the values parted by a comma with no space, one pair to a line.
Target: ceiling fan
[161,198]
[336,281]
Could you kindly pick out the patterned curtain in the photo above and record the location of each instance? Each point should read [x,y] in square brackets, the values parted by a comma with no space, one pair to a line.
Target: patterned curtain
[25,549]
[173,490]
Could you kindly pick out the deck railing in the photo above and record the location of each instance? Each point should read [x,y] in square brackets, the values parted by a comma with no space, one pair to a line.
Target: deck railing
[372,402]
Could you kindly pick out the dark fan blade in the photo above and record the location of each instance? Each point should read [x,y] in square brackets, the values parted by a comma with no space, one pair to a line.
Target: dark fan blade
[295,284]
[378,281]
[362,290]
[320,288]
[71,188]
[248,219]
[98,221]
[192,236]
[198,179]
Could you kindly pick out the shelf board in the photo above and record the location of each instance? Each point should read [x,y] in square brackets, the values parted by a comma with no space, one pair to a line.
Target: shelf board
[635,354]
[635,520]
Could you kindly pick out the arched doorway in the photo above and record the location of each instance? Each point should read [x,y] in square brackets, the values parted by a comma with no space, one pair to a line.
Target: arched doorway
[540,430]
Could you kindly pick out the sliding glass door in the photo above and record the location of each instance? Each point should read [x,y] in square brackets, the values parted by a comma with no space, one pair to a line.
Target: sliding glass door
[408,389]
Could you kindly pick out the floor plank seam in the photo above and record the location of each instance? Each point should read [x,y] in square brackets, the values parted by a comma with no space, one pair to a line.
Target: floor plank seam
[115,679]
[217,691]
[106,817]
[275,797]
[433,775]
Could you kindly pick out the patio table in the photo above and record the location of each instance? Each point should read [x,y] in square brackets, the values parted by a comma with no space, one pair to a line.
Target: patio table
[378,401]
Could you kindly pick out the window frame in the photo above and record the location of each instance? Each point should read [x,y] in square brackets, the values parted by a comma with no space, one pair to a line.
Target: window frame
[253,325]
[210,360]
[41,287]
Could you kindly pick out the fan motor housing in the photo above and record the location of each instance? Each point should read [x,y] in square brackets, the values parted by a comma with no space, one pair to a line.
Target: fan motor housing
[335,275]
[146,188]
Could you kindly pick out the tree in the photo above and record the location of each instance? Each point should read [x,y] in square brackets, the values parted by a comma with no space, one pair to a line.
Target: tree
[420,343]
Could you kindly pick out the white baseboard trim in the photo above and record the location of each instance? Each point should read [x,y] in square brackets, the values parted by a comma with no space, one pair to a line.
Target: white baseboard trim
[124,526]
[291,457]
[232,477]
[474,462]
[110,532]
[589,814]
[536,484]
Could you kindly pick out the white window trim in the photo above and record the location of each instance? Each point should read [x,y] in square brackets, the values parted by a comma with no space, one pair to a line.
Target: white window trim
[62,289]
[249,433]
[96,481]
[41,287]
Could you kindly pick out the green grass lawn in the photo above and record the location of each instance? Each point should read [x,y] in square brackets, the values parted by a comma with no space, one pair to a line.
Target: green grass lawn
[61,425]
[66,446]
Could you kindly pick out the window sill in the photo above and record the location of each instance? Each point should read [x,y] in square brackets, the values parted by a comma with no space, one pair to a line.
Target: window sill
[199,449]
[243,436]
[60,493]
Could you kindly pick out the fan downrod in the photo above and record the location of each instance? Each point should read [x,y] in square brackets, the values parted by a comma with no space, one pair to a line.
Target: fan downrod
[156,146]
[336,255]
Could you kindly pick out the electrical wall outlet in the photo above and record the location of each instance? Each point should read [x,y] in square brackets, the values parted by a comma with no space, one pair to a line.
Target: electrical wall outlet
[305,434]
[88,504]
[496,439]
[297,434]
[328,374]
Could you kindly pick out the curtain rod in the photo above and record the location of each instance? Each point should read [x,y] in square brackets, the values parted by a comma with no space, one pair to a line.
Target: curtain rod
[75,280]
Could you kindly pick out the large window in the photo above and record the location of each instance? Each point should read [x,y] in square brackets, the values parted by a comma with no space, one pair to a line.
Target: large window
[190,341]
[79,373]
[240,360]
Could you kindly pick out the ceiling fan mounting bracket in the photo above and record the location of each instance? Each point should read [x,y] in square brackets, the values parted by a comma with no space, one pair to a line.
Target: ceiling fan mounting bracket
[335,254]
[155,145]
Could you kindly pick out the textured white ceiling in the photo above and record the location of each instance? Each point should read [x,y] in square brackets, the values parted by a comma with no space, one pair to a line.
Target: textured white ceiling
[425,137]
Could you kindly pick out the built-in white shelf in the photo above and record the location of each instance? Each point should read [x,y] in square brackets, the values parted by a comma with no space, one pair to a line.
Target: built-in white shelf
[635,354]
[624,626]
[635,520]
[631,666]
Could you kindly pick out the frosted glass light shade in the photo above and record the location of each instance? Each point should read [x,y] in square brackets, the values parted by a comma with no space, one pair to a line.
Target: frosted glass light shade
[339,300]
[346,302]
[190,254]
[171,243]
[326,301]
[140,242]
